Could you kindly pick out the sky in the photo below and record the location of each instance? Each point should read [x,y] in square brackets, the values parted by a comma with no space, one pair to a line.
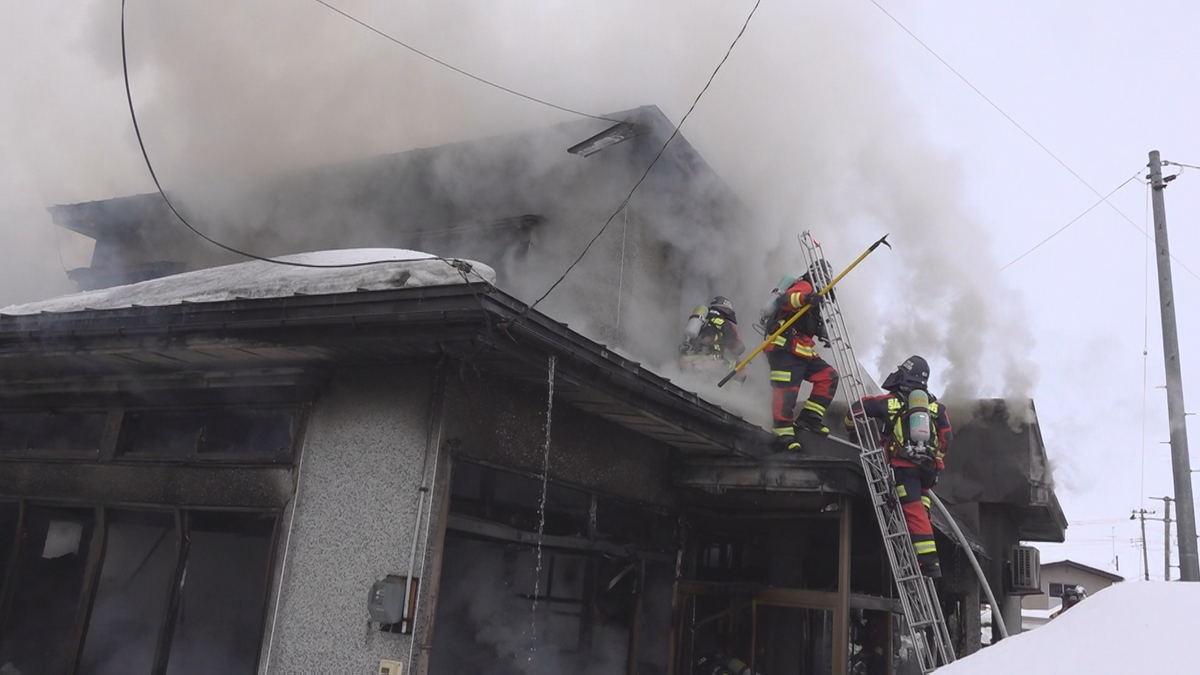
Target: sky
[826,115]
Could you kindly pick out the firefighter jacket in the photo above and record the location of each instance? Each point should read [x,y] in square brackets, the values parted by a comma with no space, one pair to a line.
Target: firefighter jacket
[719,337]
[798,338]
[888,410]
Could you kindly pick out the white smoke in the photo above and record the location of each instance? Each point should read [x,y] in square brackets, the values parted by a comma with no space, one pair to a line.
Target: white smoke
[803,122]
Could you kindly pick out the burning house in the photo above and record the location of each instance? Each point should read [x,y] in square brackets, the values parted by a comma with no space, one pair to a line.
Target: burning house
[257,468]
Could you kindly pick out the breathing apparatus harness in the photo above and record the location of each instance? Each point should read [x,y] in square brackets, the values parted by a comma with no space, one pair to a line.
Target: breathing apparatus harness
[911,435]
[772,314]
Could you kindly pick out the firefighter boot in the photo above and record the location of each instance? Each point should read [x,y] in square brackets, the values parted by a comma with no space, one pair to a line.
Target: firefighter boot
[787,444]
[929,565]
[811,422]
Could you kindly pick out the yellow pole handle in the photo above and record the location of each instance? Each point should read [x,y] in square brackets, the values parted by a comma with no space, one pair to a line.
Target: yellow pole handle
[787,324]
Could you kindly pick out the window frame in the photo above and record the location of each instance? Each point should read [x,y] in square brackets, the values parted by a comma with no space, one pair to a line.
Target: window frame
[27,454]
[96,554]
[121,454]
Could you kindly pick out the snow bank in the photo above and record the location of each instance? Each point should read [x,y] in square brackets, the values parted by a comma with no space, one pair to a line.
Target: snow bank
[1134,627]
[259,279]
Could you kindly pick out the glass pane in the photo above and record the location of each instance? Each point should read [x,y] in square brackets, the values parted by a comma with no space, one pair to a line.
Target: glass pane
[131,599]
[10,512]
[161,433]
[47,584]
[182,433]
[248,431]
[58,431]
[219,624]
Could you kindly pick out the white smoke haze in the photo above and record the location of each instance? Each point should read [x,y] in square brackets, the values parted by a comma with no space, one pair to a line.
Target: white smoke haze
[803,122]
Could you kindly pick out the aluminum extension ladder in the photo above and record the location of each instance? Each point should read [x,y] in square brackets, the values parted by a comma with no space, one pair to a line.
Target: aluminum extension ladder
[926,625]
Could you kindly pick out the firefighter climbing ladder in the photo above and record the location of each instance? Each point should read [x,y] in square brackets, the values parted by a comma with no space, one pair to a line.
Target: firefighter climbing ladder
[926,625]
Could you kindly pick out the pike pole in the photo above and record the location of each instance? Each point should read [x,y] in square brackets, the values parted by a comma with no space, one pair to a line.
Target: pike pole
[787,324]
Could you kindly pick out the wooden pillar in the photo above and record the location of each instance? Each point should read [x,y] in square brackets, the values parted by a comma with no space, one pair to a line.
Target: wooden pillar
[841,615]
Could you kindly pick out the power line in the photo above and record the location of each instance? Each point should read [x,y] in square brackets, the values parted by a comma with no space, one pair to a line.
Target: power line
[458,70]
[1182,165]
[464,268]
[1103,198]
[625,202]
[1072,221]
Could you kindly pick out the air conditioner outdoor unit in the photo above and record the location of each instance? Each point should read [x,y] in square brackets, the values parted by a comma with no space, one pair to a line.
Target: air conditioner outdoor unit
[1025,571]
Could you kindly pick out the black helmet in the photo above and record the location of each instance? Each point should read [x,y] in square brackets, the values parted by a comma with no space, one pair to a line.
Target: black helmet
[820,273]
[912,374]
[721,305]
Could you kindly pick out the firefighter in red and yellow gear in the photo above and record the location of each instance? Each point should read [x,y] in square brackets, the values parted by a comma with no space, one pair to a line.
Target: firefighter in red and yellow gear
[793,357]
[711,338]
[915,433]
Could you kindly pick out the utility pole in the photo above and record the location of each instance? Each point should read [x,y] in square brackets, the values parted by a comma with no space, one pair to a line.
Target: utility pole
[1189,561]
[1167,536]
[1140,514]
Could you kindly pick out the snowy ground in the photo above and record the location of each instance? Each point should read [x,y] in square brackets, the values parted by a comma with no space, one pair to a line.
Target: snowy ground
[388,268]
[1128,628]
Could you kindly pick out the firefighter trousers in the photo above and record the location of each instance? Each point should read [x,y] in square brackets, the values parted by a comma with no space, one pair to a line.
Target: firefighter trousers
[787,372]
[912,488]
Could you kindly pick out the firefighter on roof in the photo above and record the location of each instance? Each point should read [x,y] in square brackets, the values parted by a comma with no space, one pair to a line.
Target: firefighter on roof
[916,433]
[793,356]
[711,339]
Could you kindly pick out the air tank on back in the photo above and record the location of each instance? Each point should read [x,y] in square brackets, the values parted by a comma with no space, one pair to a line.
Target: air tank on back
[768,309]
[918,418]
[695,322]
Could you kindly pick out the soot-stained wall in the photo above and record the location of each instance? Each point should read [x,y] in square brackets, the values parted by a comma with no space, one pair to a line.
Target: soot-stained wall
[503,423]
[356,505]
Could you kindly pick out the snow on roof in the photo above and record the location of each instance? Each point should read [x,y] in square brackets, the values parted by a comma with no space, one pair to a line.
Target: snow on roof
[260,279]
[1145,627]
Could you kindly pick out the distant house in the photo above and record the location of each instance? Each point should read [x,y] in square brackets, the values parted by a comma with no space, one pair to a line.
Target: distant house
[1055,575]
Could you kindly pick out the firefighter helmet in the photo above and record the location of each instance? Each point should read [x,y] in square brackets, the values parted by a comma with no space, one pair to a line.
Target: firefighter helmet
[912,374]
[721,305]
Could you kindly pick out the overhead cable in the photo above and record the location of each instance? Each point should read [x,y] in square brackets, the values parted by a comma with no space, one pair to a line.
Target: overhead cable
[1103,198]
[625,202]
[458,70]
[461,266]
[1072,221]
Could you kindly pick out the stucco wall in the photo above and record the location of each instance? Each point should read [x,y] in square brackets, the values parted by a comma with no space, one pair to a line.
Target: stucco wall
[355,508]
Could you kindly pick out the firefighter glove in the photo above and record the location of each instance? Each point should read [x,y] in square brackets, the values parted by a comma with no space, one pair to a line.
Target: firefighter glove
[814,299]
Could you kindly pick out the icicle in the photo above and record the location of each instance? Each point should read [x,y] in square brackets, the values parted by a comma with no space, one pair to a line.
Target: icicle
[537,575]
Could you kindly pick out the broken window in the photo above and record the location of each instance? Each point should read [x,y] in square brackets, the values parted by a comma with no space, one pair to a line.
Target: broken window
[595,600]
[47,583]
[517,500]
[792,640]
[486,620]
[131,599]
[51,431]
[199,608]
[264,433]
[654,647]
[629,523]
[222,600]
